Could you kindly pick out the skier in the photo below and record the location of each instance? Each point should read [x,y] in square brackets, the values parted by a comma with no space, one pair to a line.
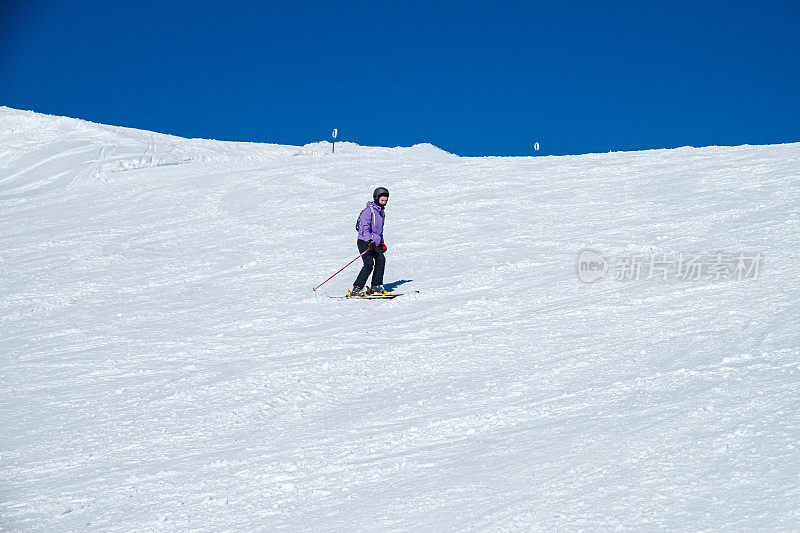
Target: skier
[370,237]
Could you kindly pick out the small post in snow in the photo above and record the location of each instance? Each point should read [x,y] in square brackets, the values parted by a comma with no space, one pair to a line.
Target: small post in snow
[334,133]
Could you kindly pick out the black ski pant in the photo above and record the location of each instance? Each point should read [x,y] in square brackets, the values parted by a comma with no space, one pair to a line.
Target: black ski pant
[371,260]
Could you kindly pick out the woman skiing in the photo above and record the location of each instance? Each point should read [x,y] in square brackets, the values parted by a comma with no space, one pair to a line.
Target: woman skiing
[370,240]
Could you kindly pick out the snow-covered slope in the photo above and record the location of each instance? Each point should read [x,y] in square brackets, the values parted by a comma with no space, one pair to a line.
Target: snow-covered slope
[165,365]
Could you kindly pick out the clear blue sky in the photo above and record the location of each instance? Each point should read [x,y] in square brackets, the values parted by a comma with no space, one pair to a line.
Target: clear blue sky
[475,78]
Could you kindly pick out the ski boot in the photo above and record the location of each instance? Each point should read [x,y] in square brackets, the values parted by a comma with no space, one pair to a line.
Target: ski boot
[355,292]
[377,289]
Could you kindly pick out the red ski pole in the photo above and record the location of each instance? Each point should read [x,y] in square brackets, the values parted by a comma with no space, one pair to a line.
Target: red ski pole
[330,278]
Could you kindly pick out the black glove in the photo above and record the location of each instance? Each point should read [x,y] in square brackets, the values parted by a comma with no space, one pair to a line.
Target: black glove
[383,248]
[373,247]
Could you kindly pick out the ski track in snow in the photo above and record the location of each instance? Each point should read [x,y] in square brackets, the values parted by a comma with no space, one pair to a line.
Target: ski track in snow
[165,365]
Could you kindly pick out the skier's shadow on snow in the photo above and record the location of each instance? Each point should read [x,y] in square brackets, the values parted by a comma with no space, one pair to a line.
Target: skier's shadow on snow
[393,285]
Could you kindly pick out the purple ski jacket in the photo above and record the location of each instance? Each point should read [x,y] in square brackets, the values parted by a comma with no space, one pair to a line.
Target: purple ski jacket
[371,223]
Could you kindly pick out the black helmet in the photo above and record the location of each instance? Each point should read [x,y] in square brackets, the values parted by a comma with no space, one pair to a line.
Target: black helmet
[380,191]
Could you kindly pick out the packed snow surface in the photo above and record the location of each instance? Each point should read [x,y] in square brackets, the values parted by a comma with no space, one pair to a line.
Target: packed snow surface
[165,364]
